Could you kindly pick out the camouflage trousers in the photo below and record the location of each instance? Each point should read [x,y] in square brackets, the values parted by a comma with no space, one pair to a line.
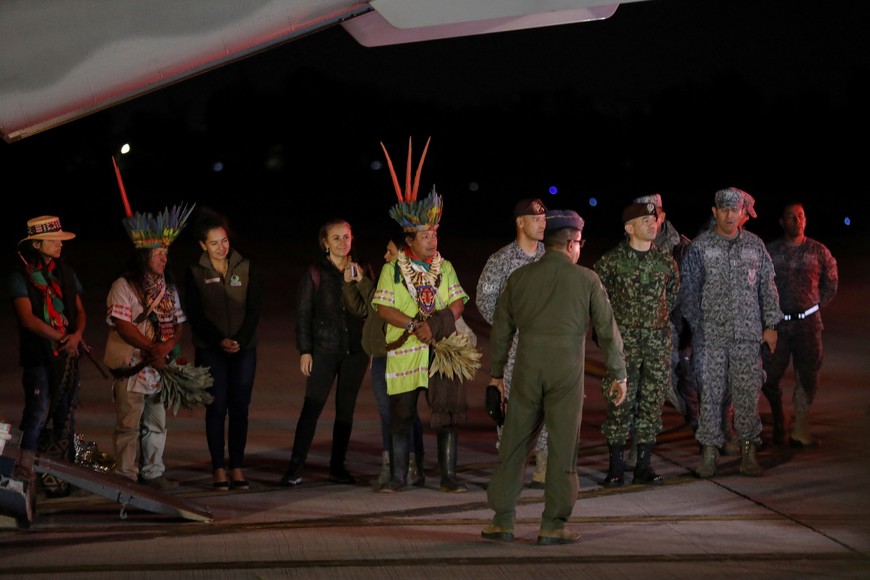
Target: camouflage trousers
[733,368]
[541,443]
[648,363]
[801,342]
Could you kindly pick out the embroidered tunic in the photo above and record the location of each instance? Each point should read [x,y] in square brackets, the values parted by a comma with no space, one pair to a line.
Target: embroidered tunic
[408,366]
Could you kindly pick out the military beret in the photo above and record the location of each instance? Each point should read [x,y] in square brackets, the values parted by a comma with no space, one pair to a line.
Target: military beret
[529,206]
[654,199]
[730,198]
[563,218]
[637,210]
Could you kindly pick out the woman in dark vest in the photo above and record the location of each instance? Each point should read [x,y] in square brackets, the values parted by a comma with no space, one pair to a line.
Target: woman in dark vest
[223,300]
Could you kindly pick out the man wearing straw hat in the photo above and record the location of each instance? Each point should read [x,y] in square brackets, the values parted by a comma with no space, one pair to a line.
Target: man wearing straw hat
[46,298]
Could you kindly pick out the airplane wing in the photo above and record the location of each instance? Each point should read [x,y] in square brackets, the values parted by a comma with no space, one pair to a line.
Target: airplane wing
[65,59]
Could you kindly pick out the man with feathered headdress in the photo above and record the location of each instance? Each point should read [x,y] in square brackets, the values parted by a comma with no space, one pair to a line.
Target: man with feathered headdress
[420,297]
[145,321]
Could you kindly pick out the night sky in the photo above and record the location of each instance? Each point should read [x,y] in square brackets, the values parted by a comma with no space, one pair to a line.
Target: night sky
[682,97]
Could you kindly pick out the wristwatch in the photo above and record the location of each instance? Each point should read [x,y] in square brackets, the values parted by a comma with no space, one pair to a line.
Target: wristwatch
[411,326]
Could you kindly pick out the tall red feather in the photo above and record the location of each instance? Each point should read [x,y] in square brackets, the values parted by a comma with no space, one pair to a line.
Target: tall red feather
[393,174]
[420,168]
[127,209]
[409,195]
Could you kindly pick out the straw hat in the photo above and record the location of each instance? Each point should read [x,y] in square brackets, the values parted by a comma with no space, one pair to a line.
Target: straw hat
[46,227]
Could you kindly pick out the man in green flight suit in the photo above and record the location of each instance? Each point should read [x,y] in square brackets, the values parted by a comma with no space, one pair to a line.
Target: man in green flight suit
[549,304]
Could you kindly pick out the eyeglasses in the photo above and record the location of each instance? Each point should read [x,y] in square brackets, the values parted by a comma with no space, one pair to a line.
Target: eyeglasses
[580,243]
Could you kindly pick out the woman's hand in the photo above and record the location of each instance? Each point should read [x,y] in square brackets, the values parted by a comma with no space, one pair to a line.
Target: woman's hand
[353,272]
[306,361]
[229,345]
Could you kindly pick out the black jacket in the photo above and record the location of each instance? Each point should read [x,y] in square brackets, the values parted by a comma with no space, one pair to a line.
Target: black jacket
[323,324]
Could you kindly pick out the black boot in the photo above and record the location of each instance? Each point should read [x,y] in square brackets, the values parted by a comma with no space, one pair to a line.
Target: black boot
[616,470]
[338,473]
[447,462]
[774,397]
[399,455]
[643,471]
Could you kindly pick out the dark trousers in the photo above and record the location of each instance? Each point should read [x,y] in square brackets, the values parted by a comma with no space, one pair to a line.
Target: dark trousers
[38,408]
[233,383]
[347,371]
[382,399]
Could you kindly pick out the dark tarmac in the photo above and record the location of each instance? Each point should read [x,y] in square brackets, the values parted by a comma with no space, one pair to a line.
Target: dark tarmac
[809,515]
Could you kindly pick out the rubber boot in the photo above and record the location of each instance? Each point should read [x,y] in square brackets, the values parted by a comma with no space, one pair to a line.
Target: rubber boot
[616,469]
[447,462]
[709,457]
[399,456]
[643,471]
[774,398]
[749,465]
[416,476]
[539,475]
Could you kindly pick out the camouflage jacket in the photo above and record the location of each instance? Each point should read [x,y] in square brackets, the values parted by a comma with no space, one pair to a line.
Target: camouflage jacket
[495,273]
[642,286]
[727,288]
[806,274]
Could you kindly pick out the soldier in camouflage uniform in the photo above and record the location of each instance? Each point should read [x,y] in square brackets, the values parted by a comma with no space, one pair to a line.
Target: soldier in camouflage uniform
[807,279]
[642,283]
[683,393]
[527,247]
[729,298]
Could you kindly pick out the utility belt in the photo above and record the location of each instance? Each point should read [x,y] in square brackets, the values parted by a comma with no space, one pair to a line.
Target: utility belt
[802,315]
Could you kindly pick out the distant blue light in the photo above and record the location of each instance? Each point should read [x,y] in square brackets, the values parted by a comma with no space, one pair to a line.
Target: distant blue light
[553,190]
[848,221]
[217,167]
[376,165]
[593,202]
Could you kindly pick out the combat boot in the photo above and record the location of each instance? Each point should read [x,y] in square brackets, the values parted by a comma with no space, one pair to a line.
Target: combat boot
[800,429]
[749,465]
[774,397]
[616,469]
[709,457]
[632,453]
[643,471]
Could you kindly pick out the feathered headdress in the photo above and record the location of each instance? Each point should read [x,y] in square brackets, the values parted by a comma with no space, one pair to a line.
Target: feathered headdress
[413,214]
[147,230]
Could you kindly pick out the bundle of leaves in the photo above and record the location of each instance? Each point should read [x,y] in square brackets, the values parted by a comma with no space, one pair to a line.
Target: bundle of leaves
[185,385]
[455,357]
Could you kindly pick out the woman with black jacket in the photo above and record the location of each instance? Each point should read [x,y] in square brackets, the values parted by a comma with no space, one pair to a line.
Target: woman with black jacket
[329,340]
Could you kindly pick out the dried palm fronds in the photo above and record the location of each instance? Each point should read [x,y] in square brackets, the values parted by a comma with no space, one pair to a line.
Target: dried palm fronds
[185,386]
[455,358]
